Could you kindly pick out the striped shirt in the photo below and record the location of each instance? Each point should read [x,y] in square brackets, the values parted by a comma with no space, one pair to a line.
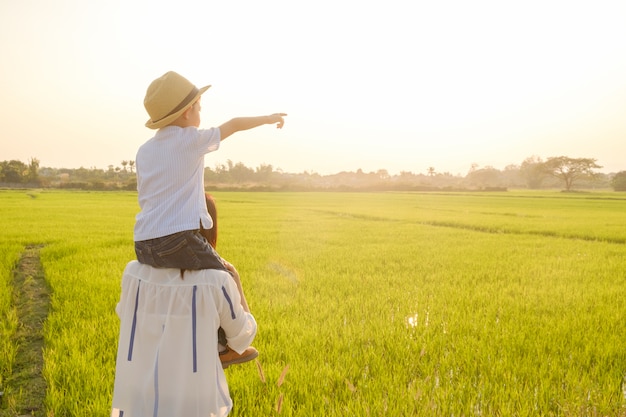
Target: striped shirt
[170,181]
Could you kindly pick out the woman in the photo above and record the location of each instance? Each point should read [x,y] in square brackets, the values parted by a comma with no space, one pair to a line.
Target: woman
[167,360]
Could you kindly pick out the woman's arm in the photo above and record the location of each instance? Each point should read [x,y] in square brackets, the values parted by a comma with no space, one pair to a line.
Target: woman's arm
[237,279]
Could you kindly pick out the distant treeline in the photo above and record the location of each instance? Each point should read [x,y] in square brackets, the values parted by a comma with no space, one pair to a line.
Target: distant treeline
[533,173]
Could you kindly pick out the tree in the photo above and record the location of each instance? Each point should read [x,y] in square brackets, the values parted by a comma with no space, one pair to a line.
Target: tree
[484,177]
[240,173]
[264,172]
[382,174]
[511,176]
[33,170]
[431,171]
[570,169]
[14,171]
[619,181]
[131,164]
[533,171]
[124,164]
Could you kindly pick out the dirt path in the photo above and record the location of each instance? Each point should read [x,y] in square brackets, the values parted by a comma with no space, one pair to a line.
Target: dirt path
[25,389]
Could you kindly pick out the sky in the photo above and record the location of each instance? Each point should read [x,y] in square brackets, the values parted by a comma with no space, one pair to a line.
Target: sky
[395,85]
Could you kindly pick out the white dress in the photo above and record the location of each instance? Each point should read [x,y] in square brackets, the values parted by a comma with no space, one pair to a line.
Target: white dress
[167,361]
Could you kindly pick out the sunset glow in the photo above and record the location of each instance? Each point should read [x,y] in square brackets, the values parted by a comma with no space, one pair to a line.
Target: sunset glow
[394,85]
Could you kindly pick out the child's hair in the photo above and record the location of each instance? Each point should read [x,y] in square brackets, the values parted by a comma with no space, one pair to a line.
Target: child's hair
[211,234]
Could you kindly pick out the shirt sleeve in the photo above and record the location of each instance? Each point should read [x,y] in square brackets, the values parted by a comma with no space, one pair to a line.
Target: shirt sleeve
[240,326]
[209,140]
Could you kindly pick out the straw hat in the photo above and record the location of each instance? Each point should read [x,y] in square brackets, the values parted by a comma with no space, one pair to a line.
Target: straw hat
[168,97]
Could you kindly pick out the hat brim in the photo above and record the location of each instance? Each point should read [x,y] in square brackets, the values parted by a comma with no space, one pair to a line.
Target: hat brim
[169,119]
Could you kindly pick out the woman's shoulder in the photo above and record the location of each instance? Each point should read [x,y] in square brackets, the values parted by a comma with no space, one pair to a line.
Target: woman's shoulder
[173,276]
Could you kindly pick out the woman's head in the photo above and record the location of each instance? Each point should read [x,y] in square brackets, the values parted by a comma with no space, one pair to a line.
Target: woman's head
[211,234]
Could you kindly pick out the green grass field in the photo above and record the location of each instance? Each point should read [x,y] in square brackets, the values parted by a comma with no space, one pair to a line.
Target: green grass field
[389,304]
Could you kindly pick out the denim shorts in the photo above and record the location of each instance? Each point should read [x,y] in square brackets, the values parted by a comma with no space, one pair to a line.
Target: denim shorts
[185,250]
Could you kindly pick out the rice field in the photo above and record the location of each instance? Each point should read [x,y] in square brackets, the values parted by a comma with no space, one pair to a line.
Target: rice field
[368,304]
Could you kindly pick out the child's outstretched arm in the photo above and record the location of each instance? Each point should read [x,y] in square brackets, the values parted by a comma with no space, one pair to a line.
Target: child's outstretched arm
[244,123]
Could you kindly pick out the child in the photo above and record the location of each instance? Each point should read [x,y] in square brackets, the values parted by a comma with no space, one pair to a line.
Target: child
[170,176]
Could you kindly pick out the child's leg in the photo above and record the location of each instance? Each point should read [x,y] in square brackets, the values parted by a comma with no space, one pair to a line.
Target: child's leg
[221,339]
[190,250]
[228,356]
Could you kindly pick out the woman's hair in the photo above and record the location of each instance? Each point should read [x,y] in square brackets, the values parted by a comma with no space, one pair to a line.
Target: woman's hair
[211,234]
